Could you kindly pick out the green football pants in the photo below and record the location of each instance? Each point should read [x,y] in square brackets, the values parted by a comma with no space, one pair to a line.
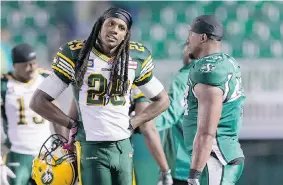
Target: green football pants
[105,163]
[217,174]
[21,165]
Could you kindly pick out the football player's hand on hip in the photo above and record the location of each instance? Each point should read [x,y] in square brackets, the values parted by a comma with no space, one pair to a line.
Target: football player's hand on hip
[5,173]
[165,178]
[193,182]
[73,126]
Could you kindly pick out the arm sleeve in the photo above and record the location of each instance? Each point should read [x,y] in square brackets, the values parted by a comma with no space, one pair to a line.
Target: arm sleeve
[137,96]
[176,109]
[53,85]
[144,78]
[152,88]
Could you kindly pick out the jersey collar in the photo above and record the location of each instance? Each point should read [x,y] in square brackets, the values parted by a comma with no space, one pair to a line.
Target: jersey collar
[189,65]
[102,56]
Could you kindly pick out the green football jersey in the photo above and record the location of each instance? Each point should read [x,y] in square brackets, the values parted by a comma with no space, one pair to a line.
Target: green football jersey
[170,121]
[222,71]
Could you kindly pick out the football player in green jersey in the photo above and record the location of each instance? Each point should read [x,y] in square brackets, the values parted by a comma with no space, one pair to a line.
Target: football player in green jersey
[145,168]
[214,106]
[102,69]
[170,121]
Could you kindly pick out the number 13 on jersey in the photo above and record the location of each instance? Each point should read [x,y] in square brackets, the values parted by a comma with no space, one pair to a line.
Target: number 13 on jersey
[22,114]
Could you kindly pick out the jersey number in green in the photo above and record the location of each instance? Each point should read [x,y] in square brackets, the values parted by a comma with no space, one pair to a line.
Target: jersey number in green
[96,94]
[22,116]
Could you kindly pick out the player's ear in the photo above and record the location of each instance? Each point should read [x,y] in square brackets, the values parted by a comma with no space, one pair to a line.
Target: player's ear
[203,37]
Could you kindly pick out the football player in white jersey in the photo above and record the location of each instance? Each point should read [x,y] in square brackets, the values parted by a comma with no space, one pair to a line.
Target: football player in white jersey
[102,70]
[25,130]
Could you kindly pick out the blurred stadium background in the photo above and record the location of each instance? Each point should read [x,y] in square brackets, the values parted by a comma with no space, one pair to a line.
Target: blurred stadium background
[253,35]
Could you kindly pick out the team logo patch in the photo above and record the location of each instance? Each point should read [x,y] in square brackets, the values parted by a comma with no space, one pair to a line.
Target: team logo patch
[206,68]
[90,63]
[47,177]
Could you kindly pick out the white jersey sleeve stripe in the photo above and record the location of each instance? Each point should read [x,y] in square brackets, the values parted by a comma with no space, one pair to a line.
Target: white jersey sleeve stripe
[68,70]
[64,69]
[147,66]
[66,64]
[150,68]
[66,59]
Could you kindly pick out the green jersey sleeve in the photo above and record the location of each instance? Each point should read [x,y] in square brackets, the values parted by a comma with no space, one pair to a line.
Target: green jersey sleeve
[140,54]
[210,71]
[65,60]
[175,112]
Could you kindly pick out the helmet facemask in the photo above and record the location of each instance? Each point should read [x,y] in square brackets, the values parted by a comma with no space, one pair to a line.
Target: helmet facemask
[51,155]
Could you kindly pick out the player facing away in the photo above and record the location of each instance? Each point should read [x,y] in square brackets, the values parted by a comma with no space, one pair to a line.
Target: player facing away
[145,166]
[102,70]
[170,121]
[214,108]
[25,130]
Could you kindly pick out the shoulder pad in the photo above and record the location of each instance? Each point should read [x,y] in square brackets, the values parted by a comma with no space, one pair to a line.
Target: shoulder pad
[139,52]
[210,70]
[71,49]
[65,61]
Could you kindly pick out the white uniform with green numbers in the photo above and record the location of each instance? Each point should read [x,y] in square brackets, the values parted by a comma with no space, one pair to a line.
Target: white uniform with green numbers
[103,134]
[26,131]
[222,71]
[110,113]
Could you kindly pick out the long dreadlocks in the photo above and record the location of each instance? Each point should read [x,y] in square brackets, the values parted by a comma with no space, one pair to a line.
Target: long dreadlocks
[119,72]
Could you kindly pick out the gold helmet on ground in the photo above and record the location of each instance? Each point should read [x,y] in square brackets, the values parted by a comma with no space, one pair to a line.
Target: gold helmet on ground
[55,165]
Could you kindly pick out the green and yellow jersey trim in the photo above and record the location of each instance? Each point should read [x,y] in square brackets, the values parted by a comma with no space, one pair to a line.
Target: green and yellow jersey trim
[102,56]
[66,59]
[146,61]
[61,72]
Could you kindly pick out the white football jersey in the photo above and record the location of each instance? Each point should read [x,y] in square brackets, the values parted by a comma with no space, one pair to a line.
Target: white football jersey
[105,118]
[105,115]
[25,129]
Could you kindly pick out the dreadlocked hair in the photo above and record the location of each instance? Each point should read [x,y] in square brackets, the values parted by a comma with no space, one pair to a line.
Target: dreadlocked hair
[119,72]
[84,54]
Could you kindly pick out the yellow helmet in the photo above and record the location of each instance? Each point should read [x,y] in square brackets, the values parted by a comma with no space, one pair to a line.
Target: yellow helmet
[55,165]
